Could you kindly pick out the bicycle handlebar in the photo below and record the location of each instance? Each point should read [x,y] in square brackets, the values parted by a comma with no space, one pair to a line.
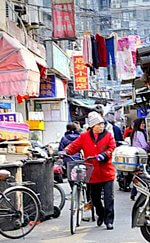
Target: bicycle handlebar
[69,156]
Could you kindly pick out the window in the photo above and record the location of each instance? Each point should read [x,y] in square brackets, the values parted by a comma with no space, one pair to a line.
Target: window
[51,110]
[146,14]
[124,3]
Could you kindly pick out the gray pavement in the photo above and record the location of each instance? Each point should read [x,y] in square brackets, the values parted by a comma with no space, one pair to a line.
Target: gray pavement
[58,231]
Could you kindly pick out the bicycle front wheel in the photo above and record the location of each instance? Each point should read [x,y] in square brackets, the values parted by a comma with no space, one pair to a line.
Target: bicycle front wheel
[59,196]
[74,209]
[81,203]
[19,212]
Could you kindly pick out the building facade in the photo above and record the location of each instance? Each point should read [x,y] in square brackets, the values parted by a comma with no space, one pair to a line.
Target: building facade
[122,16]
[28,22]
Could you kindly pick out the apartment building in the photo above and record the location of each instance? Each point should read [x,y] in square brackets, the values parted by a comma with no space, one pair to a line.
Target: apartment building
[122,16]
[92,16]
[28,24]
[131,17]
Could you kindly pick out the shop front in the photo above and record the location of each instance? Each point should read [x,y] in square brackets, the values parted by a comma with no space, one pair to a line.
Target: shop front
[52,100]
[19,77]
[53,103]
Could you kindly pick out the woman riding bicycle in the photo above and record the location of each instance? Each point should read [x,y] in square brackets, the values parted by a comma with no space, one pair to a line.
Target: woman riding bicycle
[98,142]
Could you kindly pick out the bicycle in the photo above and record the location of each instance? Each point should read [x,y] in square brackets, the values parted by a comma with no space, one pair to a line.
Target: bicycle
[19,209]
[79,172]
[59,196]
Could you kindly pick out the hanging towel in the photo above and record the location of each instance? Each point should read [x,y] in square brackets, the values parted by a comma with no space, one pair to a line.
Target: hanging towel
[87,50]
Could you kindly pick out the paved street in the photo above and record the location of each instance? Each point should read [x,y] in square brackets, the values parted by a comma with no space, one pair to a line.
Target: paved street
[57,230]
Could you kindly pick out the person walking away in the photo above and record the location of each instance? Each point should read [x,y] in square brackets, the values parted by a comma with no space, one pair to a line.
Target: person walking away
[108,125]
[127,133]
[98,142]
[117,131]
[118,136]
[70,135]
[139,140]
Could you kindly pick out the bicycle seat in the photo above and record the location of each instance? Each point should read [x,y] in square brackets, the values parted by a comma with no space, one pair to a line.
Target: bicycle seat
[4,174]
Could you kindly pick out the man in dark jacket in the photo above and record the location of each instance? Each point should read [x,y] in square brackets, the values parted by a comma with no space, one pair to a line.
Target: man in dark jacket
[118,136]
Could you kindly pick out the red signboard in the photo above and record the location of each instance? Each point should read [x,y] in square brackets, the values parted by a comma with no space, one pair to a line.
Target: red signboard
[63,19]
[80,74]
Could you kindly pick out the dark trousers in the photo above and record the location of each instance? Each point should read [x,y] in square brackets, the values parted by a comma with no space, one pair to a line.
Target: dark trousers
[106,211]
[133,191]
[110,51]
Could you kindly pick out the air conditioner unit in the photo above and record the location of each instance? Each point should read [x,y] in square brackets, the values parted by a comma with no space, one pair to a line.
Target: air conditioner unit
[33,15]
[41,16]
[35,12]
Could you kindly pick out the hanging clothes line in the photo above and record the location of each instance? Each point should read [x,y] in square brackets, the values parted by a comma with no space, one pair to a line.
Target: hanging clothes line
[111,52]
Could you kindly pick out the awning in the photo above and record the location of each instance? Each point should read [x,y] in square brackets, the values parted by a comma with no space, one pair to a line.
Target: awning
[40,61]
[127,103]
[19,73]
[90,104]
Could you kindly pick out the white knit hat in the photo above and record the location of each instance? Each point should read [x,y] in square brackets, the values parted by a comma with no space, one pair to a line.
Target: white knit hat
[94,118]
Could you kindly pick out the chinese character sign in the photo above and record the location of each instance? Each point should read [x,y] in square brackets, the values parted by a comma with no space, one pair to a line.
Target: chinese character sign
[8,117]
[48,87]
[63,19]
[80,74]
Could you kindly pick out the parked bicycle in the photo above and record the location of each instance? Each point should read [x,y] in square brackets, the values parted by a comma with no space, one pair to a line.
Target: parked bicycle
[79,172]
[59,196]
[19,209]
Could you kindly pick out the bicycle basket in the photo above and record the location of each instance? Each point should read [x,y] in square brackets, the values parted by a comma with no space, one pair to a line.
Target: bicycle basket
[79,171]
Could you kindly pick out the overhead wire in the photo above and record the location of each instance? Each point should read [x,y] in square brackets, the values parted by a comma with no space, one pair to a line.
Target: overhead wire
[99,15]
[94,11]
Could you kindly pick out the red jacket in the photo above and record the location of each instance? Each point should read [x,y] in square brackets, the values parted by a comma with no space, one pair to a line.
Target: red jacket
[127,132]
[105,144]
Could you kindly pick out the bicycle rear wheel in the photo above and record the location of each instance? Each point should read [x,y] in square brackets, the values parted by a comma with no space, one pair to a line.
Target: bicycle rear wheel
[59,196]
[19,212]
[74,209]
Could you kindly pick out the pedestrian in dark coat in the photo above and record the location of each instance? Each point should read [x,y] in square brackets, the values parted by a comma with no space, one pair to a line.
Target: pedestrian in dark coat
[98,142]
[118,136]
[70,135]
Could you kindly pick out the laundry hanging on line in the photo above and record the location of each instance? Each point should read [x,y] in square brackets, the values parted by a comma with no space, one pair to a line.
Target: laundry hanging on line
[111,52]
